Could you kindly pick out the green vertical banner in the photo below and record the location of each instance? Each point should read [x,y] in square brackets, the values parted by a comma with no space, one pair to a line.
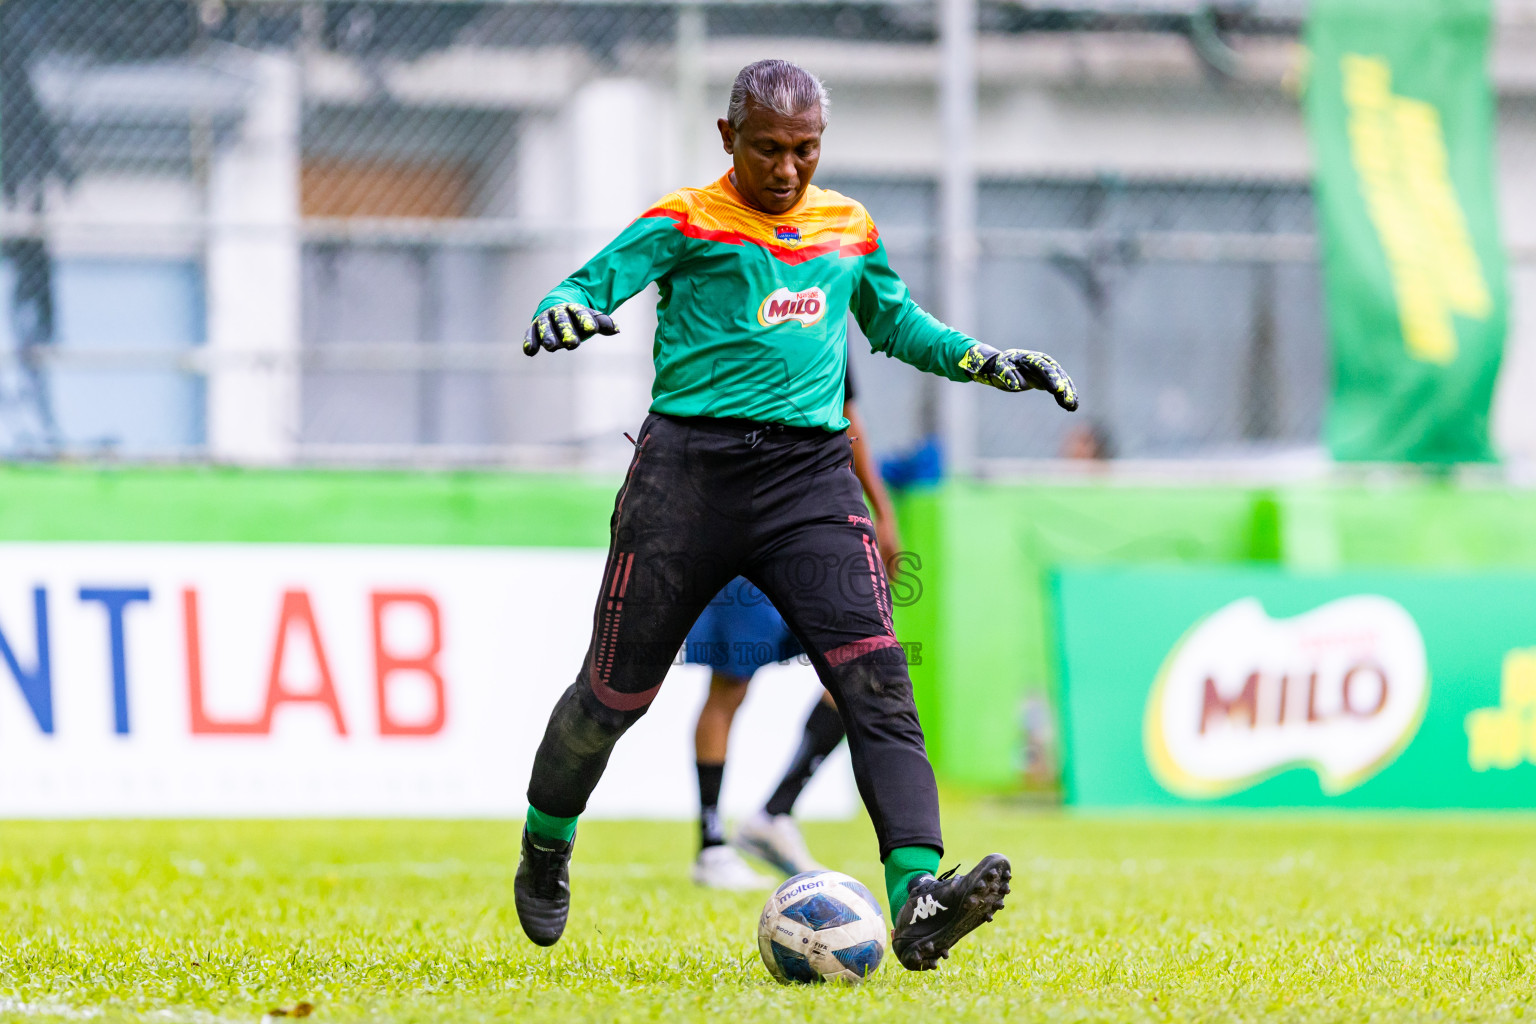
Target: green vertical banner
[1401,116]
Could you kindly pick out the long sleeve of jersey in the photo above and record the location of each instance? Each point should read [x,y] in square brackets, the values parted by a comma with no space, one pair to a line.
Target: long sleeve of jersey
[752,317]
[899,327]
[643,252]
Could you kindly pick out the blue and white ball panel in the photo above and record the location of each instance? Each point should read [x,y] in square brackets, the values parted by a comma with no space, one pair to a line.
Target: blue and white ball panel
[821,926]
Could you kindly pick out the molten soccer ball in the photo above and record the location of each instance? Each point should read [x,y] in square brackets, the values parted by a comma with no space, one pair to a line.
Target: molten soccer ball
[821,926]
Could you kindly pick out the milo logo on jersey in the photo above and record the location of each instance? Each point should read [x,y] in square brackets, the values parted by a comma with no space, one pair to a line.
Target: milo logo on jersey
[805,308]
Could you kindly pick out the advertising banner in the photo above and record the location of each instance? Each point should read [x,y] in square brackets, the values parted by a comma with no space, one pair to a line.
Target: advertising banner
[1401,117]
[1247,687]
[291,679]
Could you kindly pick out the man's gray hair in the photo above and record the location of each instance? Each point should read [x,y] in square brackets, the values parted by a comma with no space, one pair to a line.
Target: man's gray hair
[779,86]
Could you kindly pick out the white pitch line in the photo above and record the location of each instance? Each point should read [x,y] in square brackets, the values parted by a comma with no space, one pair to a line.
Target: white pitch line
[41,1008]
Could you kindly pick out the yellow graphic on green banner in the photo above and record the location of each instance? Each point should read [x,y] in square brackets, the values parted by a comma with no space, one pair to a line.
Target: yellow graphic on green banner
[1505,737]
[1400,111]
[1398,150]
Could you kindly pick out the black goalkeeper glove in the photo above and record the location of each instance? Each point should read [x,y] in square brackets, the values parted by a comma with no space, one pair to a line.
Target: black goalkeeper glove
[1019,369]
[565,326]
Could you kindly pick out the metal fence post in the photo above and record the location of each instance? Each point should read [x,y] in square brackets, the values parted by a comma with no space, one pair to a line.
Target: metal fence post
[956,405]
[691,84]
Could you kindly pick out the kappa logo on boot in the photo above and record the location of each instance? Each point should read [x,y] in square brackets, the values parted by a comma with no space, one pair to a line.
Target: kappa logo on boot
[925,907]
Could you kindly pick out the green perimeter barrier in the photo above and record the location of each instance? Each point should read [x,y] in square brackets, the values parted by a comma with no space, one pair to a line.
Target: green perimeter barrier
[1243,687]
[978,606]
[43,503]
[985,619]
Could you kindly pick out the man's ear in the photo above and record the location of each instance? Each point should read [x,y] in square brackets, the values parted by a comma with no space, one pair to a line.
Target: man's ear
[727,135]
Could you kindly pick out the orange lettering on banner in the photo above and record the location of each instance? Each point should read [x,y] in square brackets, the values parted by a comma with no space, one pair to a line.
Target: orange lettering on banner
[387,663]
[297,611]
[202,725]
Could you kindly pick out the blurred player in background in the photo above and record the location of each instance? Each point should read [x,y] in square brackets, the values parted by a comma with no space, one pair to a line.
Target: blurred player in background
[739,633]
[744,468]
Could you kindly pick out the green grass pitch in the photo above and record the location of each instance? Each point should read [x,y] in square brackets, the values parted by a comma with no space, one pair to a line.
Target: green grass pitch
[1201,918]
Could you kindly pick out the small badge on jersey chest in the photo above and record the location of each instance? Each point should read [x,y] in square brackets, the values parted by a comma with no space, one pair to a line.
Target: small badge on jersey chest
[787,234]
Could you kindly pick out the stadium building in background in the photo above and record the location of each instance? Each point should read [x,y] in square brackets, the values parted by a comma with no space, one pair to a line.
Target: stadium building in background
[293,231]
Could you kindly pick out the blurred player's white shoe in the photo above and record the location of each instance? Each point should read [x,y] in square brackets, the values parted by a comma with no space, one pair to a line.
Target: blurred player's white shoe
[720,867]
[776,839]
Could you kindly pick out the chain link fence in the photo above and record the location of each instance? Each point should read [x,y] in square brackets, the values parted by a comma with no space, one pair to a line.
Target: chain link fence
[314,230]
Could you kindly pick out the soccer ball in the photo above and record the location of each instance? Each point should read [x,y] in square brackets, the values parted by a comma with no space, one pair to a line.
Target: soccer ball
[821,926]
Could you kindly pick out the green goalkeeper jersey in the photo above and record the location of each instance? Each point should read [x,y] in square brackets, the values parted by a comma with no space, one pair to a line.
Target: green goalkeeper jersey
[751,320]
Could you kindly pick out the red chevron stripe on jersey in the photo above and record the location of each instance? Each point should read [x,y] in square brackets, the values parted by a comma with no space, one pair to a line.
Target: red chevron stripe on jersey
[824,221]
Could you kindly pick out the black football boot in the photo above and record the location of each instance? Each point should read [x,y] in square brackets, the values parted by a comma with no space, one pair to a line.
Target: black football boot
[542,889]
[939,912]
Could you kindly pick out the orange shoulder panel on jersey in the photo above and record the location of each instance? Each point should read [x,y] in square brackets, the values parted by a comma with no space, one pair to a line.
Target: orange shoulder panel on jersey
[826,223]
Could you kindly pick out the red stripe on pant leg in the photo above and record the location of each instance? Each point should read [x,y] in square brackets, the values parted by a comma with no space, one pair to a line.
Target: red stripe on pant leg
[600,676]
[874,580]
[624,701]
[876,576]
[601,669]
[629,564]
[846,653]
[623,491]
[607,620]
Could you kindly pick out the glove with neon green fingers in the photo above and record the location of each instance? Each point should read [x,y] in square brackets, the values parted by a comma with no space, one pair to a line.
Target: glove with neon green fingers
[565,326]
[1018,369]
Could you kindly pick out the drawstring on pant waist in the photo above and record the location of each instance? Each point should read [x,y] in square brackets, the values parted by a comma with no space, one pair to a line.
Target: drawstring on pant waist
[755,437]
[750,431]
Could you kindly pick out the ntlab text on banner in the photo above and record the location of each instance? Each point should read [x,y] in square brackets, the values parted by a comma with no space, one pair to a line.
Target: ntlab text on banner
[291,679]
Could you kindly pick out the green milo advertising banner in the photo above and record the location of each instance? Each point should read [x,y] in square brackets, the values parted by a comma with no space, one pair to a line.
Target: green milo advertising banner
[1401,116]
[1247,687]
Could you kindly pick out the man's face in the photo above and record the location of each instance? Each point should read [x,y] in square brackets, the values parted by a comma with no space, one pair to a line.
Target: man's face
[774,156]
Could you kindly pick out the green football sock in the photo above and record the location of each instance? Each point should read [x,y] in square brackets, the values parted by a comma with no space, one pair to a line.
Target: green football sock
[547,826]
[904,864]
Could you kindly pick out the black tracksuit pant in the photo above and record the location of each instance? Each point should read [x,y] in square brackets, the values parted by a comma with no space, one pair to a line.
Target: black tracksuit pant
[707,500]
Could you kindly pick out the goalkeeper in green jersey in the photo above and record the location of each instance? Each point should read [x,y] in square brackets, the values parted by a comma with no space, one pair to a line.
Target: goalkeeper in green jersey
[743,468]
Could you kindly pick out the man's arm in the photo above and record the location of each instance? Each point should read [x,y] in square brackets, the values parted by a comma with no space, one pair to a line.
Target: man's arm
[886,535]
[898,326]
[577,308]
